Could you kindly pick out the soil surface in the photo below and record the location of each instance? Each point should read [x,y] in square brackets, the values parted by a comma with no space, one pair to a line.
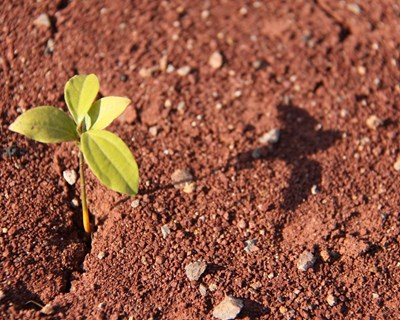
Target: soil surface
[301,223]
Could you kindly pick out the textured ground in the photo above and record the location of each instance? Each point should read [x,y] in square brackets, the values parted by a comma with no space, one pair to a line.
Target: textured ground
[317,70]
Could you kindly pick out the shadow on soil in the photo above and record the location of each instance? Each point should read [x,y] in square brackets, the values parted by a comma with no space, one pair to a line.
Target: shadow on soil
[300,137]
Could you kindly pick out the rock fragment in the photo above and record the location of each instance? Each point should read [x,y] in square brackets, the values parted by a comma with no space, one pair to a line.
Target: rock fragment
[183,71]
[203,290]
[48,310]
[195,269]
[250,245]
[70,176]
[43,20]
[228,308]
[270,137]
[373,122]
[165,231]
[135,203]
[216,60]
[181,178]
[101,255]
[331,299]
[305,261]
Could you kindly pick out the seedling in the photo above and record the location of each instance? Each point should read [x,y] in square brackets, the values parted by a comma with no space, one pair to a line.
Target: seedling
[106,154]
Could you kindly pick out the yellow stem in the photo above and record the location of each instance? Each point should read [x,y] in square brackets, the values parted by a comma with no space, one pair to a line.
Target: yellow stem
[85,212]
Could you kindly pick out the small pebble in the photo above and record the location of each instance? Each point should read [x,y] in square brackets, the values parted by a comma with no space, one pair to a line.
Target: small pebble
[305,261]
[194,270]
[101,255]
[148,72]
[270,137]
[153,131]
[189,187]
[361,70]
[205,14]
[314,189]
[180,178]
[183,71]
[50,46]
[373,122]
[354,8]
[135,203]
[325,255]
[42,20]
[75,202]
[70,176]
[2,295]
[212,287]
[48,309]
[203,290]
[165,231]
[250,245]
[163,63]
[228,308]
[237,94]
[331,299]
[4,230]
[216,60]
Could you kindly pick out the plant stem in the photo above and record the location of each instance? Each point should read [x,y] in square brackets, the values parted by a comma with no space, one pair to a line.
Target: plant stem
[85,212]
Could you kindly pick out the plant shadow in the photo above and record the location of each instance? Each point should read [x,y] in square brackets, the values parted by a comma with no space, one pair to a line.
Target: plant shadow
[300,137]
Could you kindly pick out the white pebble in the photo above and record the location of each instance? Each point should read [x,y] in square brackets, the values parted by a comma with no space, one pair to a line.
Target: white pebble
[270,137]
[101,255]
[373,122]
[42,20]
[183,71]
[305,261]
[70,176]
[396,165]
[165,231]
[216,60]
[135,203]
[331,299]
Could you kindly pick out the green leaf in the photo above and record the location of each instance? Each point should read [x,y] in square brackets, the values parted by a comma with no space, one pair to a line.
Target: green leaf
[104,111]
[46,124]
[80,92]
[111,161]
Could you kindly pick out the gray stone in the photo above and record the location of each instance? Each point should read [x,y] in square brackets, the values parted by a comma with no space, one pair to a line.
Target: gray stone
[228,308]
[195,269]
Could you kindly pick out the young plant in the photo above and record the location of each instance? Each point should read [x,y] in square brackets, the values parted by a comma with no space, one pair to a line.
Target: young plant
[106,154]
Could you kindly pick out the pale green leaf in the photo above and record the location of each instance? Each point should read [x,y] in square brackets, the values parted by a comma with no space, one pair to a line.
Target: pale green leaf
[104,111]
[80,92]
[111,161]
[46,124]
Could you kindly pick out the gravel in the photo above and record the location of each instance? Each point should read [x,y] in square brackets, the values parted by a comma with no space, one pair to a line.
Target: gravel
[228,308]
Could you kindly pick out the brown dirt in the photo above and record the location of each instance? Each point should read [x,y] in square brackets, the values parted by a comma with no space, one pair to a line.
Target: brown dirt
[324,69]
